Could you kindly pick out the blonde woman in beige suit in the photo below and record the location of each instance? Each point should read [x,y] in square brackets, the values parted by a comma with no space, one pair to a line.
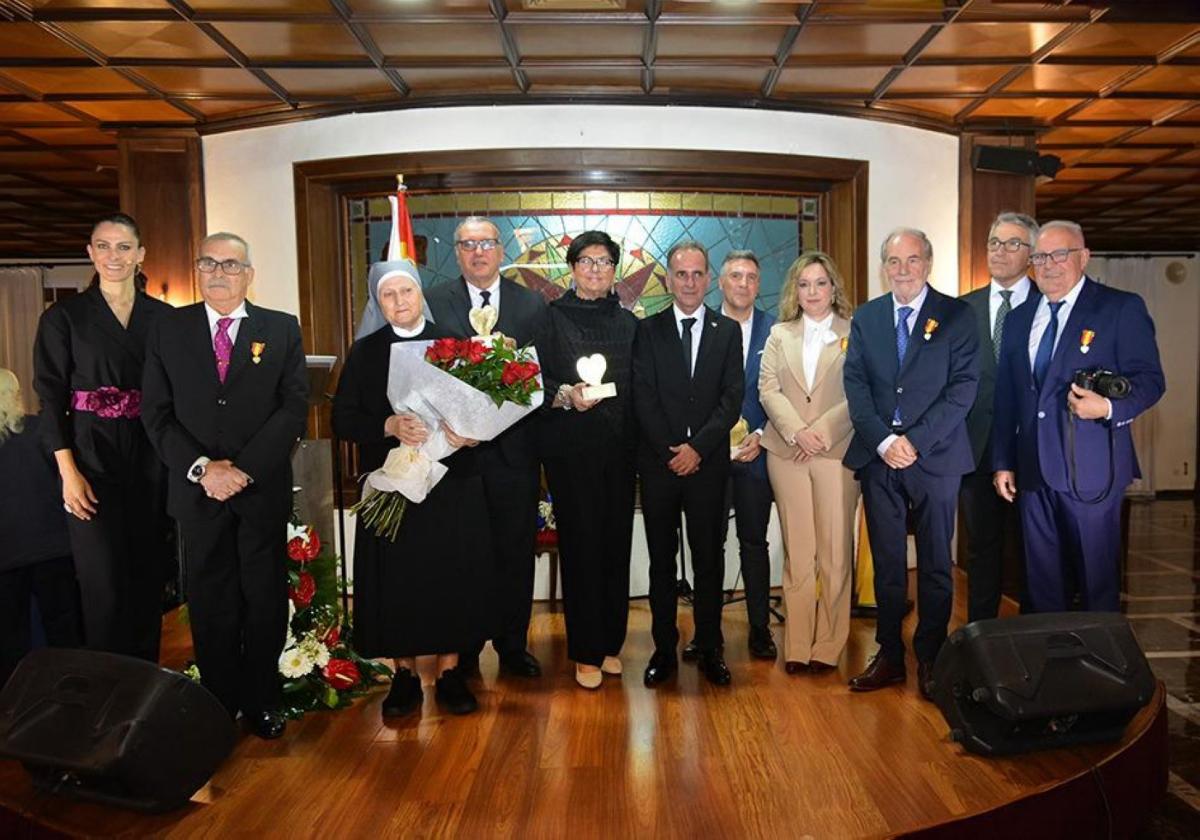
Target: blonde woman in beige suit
[808,431]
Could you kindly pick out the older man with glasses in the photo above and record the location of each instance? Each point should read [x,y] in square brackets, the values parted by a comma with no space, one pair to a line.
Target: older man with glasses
[987,518]
[509,464]
[1061,447]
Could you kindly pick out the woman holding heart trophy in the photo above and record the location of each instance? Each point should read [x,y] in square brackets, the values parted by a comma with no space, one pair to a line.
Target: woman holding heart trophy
[585,348]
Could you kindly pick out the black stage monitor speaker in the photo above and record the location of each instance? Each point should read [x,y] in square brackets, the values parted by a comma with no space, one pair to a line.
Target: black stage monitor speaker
[112,728]
[1031,682]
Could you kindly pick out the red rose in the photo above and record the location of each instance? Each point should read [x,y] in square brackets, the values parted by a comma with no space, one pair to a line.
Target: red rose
[511,373]
[341,674]
[333,637]
[304,590]
[530,370]
[474,352]
[442,350]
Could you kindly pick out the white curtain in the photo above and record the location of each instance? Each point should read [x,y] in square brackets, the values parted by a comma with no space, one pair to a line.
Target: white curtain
[1140,276]
[20,307]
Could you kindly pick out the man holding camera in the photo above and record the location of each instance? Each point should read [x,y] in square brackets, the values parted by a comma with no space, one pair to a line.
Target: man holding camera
[1076,367]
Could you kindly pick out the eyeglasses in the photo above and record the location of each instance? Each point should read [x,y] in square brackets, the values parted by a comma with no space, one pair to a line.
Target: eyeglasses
[481,244]
[602,263]
[1010,245]
[1059,256]
[208,265]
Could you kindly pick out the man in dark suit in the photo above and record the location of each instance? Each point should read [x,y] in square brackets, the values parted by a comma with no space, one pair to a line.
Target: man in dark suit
[750,490]
[509,464]
[910,374]
[1063,452]
[224,399]
[687,393]
[986,517]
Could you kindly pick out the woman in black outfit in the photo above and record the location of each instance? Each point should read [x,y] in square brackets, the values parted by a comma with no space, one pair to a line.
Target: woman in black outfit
[36,558]
[87,363]
[587,450]
[427,592]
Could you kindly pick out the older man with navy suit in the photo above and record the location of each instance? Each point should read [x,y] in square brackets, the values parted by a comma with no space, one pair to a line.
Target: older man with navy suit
[1064,452]
[911,373]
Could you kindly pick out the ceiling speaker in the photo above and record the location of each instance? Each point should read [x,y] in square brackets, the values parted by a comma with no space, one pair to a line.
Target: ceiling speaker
[1009,161]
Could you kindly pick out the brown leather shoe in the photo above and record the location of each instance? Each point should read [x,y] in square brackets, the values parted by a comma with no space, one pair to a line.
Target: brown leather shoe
[925,679]
[880,673]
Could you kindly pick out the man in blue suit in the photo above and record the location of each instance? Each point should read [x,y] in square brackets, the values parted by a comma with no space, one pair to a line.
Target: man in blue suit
[911,373]
[1061,451]
[750,489]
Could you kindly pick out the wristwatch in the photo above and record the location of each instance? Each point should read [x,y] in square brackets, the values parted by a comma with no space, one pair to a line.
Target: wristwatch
[198,469]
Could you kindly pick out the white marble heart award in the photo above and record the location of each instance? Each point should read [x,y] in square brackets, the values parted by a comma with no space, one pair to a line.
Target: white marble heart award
[483,319]
[591,371]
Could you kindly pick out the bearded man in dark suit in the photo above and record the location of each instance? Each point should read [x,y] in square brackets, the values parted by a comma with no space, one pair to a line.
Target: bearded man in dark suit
[224,399]
[509,463]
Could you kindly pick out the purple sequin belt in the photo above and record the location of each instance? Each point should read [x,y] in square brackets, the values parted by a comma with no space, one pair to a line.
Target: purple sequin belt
[109,402]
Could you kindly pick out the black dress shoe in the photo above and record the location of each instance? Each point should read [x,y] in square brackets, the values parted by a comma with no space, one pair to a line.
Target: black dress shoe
[661,668]
[453,694]
[266,725]
[819,667]
[468,666]
[691,653]
[762,646]
[880,672]
[796,667]
[520,664]
[925,679]
[405,695]
[712,665]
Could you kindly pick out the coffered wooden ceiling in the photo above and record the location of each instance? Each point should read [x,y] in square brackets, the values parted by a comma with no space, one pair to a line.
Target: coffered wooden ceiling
[1111,87]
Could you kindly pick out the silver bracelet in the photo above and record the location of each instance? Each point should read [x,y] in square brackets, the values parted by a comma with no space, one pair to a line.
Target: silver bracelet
[563,397]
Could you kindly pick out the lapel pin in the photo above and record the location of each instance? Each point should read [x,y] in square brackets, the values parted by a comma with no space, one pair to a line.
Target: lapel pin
[930,326]
[1085,340]
[256,351]
[845,343]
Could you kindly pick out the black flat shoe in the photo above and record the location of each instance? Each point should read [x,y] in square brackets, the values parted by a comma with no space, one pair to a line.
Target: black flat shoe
[266,725]
[819,667]
[453,695]
[405,695]
[796,667]
[762,646]
[691,653]
[520,664]
[661,668]
[712,665]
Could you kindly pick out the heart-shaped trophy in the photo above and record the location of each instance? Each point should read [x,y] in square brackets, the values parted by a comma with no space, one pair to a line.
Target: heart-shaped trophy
[483,319]
[591,371]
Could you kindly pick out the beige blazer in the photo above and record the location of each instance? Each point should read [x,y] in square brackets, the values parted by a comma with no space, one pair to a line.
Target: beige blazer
[793,404]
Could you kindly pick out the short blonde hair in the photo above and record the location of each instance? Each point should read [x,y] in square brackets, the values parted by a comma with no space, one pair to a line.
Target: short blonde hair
[789,298]
[12,412]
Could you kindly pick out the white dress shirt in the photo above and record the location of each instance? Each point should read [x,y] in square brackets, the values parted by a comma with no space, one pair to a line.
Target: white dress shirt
[1020,291]
[213,316]
[816,335]
[697,328]
[746,326]
[1041,319]
[916,305]
[477,295]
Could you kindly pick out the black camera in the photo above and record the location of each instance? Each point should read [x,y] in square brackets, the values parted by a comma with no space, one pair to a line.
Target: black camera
[1103,382]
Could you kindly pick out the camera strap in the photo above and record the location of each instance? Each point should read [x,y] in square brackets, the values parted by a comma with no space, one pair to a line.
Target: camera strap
[1112,454]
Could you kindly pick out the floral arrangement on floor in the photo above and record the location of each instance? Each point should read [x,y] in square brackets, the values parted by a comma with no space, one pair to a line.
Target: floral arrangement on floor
[320,669]
[547,528]
[477,386]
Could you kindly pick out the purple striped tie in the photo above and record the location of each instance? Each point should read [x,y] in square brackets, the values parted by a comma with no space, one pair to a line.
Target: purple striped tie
[223,347]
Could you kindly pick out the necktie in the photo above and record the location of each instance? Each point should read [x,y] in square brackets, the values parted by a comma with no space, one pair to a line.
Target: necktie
[901,346]
[223,347]
[1041,361]
[687,344]
[486,297]
[998,328]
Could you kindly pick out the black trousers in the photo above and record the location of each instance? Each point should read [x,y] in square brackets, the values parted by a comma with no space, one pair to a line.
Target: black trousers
[888,496]
[121,558]
[992,524]
[750,500]
[52,583]
[238,607]
[512,498]
[592,493]
[701,497]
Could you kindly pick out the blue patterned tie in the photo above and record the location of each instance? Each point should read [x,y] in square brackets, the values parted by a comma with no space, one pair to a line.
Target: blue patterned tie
[901,346]
[1045,351]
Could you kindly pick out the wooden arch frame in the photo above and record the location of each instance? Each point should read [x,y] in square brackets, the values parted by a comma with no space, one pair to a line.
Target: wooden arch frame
[322,187]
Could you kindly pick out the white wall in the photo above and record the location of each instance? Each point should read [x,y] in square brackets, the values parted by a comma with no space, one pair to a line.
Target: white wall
[248,174]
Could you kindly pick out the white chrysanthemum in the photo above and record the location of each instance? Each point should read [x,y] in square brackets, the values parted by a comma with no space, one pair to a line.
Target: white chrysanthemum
[315,650]
[295,663]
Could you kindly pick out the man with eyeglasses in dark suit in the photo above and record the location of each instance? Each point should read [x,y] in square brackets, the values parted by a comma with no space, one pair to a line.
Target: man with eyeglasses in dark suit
[509,463]
[986,517]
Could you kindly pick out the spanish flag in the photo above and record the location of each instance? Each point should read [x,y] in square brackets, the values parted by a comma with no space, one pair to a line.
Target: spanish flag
[401,245]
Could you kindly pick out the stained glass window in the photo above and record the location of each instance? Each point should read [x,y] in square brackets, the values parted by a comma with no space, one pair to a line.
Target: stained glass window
[537,227]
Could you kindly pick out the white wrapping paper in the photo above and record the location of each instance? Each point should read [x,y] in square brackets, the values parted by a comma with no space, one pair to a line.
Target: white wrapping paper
[418,387]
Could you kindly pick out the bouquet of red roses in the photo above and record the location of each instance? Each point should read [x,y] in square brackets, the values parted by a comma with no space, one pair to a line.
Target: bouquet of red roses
[498,369]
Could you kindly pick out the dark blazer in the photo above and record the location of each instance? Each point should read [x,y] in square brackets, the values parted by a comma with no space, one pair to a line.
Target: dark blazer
[1030,427]
[520,314]
[979,420]
[934,387]
[752,409]
[81,346]
[668,402]
[253,418]
[33,526]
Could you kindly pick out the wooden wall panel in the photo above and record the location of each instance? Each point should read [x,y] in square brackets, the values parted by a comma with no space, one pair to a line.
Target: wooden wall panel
[981,197]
